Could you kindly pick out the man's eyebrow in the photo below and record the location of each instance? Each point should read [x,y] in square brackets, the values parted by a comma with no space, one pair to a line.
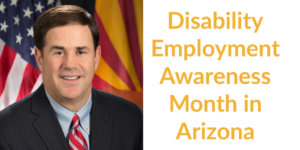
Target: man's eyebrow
[81,47]
[57,47]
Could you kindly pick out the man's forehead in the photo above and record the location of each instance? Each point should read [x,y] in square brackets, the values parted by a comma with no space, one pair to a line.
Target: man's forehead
[69,32]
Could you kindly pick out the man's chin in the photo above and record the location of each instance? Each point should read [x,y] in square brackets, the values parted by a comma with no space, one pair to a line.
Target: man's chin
[70,94]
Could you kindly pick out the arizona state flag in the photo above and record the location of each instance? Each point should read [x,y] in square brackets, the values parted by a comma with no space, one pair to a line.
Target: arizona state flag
[120,23]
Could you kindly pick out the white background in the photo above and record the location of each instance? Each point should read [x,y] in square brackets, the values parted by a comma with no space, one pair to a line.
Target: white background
[276,127]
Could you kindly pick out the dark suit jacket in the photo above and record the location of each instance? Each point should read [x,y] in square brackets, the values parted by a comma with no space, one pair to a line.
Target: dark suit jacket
[31,124]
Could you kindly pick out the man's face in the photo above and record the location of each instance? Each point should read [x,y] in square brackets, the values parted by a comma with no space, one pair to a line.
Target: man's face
[68,62]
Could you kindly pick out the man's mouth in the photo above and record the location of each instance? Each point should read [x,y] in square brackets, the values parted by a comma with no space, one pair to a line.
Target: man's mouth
[70,77]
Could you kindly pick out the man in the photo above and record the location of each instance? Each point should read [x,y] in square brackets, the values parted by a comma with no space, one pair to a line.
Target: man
[66,112]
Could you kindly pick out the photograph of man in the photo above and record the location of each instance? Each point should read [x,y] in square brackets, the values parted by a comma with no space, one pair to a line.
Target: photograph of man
[66,112]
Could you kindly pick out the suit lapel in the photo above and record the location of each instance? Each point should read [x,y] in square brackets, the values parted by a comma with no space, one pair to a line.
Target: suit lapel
[101,124]
[46,123]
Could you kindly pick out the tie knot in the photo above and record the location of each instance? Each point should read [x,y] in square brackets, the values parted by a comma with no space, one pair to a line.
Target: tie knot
[75,119]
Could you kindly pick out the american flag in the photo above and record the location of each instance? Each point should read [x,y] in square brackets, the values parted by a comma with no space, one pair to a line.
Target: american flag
[120,70]
[19,74]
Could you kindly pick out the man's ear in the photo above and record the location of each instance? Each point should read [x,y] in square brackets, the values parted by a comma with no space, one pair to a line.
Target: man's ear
[39,58]
[97,56]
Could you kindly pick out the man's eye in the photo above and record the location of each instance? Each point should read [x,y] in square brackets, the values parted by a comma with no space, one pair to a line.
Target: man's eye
[59,53]
[81,52]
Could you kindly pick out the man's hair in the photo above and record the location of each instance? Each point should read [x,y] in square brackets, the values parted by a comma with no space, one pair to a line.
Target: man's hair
[60,16]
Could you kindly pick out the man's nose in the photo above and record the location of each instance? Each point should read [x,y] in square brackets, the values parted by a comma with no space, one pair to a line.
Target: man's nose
[70,61]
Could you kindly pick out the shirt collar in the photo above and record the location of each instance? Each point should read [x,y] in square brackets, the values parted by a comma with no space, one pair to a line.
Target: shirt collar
[65,116]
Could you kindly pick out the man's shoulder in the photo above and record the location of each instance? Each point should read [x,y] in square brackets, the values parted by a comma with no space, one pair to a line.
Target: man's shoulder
[115,103]
[16,112]
[122,118]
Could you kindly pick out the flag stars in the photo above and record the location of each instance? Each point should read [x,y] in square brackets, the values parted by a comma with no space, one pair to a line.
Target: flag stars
[14,3]
[30,32]
[27,12]
[2,7]
[38,7]
[17,20]
[19,38]
[31,50]
[4,26]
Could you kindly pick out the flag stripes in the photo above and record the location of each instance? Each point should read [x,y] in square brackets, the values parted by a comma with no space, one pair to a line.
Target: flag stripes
[127,10]
[110,76]
[6,61]
[100,84]
[138,13]
[30,76]
[13,81]
[112,58]
[110,15]
[18,77]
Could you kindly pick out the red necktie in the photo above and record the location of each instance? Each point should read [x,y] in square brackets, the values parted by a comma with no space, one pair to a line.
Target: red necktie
[76,139]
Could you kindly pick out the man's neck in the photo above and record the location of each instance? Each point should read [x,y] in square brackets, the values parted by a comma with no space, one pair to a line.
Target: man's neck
[73,105]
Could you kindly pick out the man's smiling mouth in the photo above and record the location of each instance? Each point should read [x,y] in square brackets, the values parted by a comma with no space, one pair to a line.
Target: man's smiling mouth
[70,77]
